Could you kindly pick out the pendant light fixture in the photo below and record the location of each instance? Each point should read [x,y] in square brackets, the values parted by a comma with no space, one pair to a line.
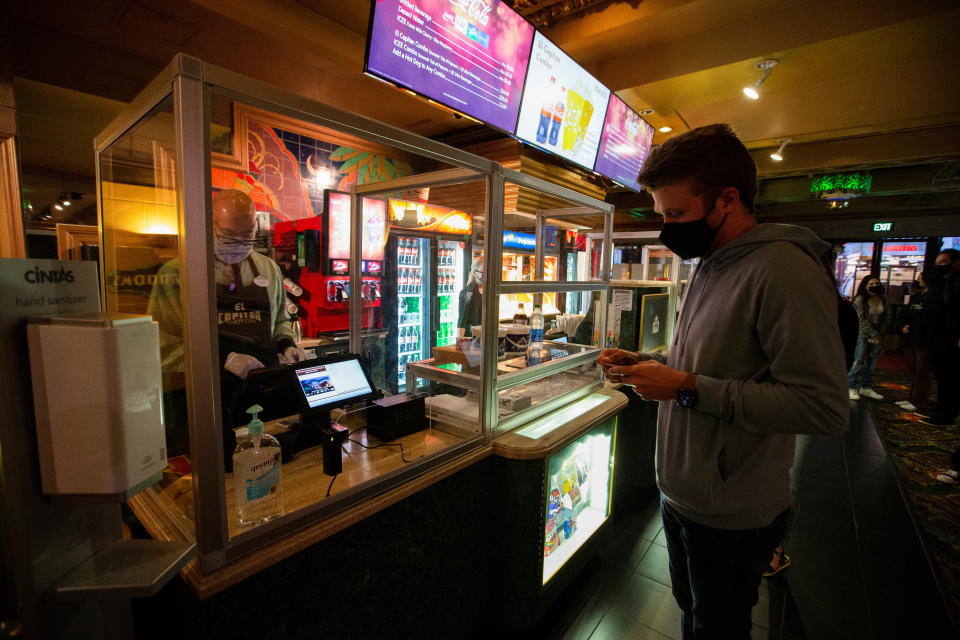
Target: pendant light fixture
[778,154]
[765,67]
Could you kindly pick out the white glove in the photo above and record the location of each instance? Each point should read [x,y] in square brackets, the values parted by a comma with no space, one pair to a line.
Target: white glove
[240,364]
[291,355]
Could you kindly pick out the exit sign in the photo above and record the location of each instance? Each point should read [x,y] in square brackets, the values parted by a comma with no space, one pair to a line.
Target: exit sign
[883,226]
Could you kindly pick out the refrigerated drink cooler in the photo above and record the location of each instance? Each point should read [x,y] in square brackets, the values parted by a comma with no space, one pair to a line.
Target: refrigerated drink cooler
[423,277]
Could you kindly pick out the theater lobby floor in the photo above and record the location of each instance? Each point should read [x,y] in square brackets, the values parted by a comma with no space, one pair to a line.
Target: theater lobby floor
[859,569]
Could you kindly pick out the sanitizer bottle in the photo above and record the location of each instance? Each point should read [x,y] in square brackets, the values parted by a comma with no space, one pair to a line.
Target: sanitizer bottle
[256,474]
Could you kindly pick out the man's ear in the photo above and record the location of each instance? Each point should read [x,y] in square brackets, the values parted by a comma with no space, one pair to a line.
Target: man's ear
[729,198]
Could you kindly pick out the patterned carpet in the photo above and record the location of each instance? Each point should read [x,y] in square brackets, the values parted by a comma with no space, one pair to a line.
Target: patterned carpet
[916,450]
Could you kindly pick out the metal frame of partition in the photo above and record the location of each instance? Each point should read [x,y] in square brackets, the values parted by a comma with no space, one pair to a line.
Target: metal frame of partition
[192,82]
[491,383]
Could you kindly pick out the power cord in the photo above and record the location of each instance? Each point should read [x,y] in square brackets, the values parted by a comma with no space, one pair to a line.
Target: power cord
[385,444]
[330,486]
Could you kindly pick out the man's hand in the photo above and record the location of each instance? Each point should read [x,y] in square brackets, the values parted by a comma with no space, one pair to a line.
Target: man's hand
[241,364]
[612,357]
[906,329]
[875,340]
[291,355]
[650,379]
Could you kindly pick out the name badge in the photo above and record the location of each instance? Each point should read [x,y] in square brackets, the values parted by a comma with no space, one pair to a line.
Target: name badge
[260,281]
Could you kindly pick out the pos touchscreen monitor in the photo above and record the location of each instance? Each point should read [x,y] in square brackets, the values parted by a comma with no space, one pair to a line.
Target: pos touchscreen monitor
[333,382]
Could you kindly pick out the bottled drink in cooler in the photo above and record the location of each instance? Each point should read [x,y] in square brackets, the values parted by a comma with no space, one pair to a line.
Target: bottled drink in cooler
[520,317]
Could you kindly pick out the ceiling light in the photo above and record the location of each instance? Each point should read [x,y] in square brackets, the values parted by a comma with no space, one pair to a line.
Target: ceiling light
[778,154]
[66,203]
[764,67]
[58,207]
[665,129]
[646,112]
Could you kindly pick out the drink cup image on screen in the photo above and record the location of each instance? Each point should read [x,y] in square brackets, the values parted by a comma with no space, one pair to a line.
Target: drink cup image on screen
[586,113]
[558,109]
[579,112]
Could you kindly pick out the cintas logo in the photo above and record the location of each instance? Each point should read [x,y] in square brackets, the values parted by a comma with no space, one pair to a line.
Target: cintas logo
[38,276]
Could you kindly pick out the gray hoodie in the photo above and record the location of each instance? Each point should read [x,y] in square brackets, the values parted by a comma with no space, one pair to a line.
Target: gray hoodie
[759,327]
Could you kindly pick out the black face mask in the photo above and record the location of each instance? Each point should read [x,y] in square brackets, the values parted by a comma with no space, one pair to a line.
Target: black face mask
[690,239]
[942,270]
[876,290]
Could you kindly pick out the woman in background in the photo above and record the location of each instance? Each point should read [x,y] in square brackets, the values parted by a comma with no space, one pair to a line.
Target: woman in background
[873,312]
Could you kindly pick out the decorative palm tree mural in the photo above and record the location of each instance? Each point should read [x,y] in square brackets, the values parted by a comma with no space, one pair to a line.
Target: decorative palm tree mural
[364,167]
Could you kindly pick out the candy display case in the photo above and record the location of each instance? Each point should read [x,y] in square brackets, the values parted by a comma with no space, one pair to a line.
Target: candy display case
[579,487]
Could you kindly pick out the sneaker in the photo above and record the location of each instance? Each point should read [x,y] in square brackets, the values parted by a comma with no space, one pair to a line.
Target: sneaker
[854,395]
[867,392]
[907,406]
[950,476]
[778,563]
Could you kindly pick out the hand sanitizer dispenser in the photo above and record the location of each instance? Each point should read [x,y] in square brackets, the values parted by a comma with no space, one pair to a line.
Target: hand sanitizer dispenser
[97,394]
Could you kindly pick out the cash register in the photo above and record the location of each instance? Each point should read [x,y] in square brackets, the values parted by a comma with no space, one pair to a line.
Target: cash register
[311,389]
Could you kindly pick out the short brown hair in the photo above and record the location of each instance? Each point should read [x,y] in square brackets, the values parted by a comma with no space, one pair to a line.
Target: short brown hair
[713,157]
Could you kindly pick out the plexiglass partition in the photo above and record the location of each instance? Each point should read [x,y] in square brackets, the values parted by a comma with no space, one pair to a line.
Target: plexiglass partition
[538,368]
[267,233]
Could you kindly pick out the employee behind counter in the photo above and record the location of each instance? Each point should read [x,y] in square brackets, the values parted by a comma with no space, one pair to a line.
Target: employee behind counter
[254,331]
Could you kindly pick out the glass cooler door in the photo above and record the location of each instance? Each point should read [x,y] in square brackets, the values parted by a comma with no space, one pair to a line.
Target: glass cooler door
[410,335]
[449,276]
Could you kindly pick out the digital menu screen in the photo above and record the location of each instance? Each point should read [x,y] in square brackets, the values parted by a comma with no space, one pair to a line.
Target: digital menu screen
[563,106]
[624,144]
[470,55]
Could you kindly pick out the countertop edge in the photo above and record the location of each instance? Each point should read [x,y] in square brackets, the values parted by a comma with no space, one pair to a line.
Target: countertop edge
[516,447]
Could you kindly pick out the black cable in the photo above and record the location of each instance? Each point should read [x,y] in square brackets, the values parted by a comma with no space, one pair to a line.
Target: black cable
[330,486]
[385,444]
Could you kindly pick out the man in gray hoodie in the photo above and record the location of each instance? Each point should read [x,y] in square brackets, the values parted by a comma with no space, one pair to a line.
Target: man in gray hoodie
[756,359]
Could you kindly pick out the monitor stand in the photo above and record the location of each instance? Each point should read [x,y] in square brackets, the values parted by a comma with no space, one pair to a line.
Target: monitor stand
[313,422]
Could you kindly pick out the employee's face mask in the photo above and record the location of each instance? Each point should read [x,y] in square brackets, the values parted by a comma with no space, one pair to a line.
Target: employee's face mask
[876,289]
[231,250]
[690,239]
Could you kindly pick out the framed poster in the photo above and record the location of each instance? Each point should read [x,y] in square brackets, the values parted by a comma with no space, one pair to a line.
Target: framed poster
[653,321]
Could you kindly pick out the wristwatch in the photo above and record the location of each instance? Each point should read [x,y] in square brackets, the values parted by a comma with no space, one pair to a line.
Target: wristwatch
[687,395]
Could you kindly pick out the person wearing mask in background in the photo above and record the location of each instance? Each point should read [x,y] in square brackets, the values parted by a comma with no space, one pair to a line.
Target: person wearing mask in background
[942,317]
[913,343]
[253,328]
[471,298]
[756,358]
[873,312]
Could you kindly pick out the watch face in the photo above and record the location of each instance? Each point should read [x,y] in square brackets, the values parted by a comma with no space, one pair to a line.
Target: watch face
[686,398]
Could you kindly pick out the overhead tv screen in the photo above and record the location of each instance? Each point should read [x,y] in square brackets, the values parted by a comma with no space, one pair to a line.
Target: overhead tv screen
[470,55]
[624,144]
[563,106]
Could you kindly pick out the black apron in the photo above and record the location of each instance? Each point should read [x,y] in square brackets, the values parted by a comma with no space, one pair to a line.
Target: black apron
[245,326]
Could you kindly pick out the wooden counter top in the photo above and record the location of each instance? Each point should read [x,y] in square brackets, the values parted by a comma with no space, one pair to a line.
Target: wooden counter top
[167,512]
[520,447]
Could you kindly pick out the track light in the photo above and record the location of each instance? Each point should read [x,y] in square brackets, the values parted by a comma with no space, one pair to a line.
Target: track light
[778,154]
[765,67]
[665,129]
